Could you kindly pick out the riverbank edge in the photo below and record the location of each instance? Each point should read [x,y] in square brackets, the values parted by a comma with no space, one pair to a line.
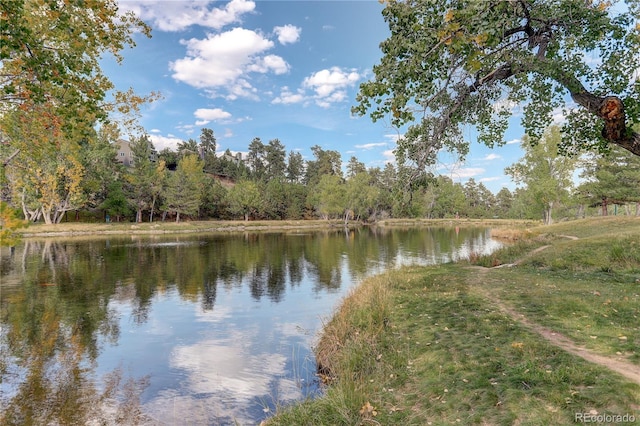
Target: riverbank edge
[361,319]
[68,229]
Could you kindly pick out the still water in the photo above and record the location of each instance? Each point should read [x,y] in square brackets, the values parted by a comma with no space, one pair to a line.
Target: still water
[207,330]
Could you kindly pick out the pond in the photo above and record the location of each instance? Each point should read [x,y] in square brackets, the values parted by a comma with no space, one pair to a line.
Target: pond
[201,329]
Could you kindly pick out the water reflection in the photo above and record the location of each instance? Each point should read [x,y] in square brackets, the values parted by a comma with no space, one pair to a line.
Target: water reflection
[211,329]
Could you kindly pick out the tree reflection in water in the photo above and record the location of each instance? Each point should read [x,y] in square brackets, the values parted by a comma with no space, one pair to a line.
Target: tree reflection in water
[51,322]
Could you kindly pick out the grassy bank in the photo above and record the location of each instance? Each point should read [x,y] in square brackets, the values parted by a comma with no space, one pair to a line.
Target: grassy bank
[553,336]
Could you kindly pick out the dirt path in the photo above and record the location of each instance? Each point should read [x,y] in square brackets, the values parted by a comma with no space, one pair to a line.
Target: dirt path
[620,366]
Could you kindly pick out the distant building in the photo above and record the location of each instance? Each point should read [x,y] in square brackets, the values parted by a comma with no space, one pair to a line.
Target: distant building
[125,155]
[235,159]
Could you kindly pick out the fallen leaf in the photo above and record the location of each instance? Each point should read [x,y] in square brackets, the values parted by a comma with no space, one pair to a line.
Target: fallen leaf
[368,410]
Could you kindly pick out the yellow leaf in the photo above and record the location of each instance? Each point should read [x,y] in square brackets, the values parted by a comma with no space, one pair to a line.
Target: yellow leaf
[448,17]
[368,410]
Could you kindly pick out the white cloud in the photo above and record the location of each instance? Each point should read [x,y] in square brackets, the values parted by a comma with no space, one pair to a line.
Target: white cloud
[186,128]
[466,172]
[393,137]
[490,179]
[288,97]
[206,115]
[178,15]
[269,62]
[162,142]
[287,34]
[558,115]
[330,85]
[492,156]
[389,155]
[514,141]
[504,105]
[224,60]
[371,145]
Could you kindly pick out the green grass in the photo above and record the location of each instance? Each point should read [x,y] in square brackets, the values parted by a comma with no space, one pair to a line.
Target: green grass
[434,345]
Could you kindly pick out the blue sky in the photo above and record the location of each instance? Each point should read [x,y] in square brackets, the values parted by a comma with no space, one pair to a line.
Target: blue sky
[275,69]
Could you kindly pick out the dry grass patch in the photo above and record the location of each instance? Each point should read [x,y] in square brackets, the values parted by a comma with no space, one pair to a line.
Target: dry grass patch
[511,234]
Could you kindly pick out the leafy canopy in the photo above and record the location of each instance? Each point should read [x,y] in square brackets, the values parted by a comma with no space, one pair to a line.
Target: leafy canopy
[452,63]
[50,56]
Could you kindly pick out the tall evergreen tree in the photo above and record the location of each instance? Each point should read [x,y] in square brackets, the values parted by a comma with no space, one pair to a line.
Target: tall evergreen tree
[295,167]
[208,146]
[256,158]
[141,176]
[612,178]
[275,158]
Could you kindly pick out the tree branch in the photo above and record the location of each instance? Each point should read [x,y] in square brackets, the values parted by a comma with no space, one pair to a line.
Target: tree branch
[610,109]
[7,160]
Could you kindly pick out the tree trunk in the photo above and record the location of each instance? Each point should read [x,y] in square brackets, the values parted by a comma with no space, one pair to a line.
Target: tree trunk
[153,204]
[547,214]
[46,215]
[177,217]
[605,211]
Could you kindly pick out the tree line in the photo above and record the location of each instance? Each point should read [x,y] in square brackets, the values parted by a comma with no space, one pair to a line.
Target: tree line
[195,182]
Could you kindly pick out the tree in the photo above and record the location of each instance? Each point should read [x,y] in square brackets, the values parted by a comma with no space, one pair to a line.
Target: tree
[256,158]
[354,166]
[275,199]
[51,54]
[102,169]
[386,181]
[479,199]
[47,171]
[9,224]
[185,187]
[115,203]
[141,176]
[275,156]
[504,201]
[328,196]
[449,198]
[361,196]
[158,184]
[547,175]
[451,63]
[613,178]
[245,198]
[169,157]
[326,162]
[213,198]
[295,167]
[208,147]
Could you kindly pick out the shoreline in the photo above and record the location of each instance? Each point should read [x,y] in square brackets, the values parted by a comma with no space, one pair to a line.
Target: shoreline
[78,229]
